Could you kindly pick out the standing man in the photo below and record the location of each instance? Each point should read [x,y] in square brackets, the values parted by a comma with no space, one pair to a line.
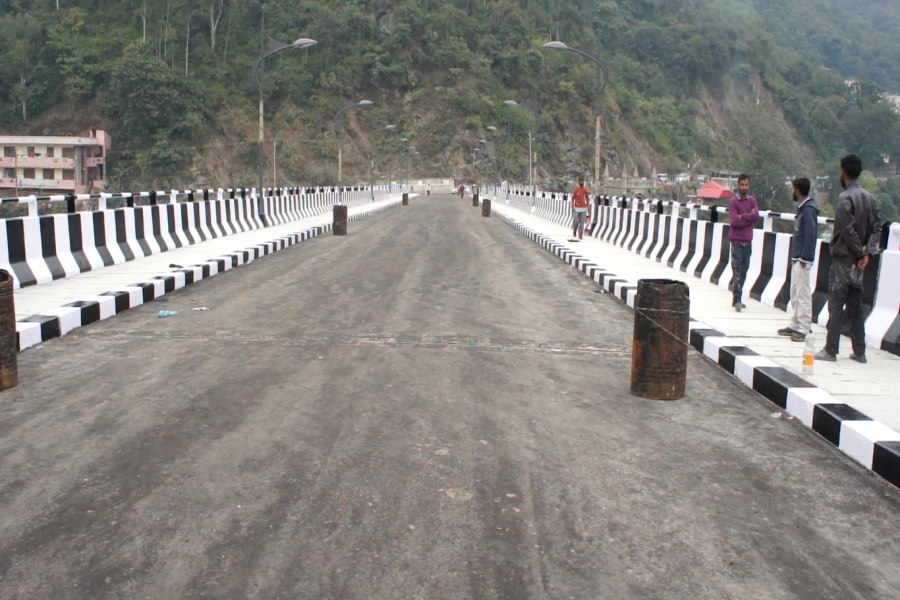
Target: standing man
[581,199]
[743,214]
[857,231]
[803,255]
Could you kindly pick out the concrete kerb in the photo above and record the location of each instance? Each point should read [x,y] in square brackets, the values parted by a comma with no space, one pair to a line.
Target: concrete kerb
[57,322]
[871,444]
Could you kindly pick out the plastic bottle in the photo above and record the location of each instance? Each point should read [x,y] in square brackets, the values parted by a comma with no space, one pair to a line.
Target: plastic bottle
[166,313]
[809,354]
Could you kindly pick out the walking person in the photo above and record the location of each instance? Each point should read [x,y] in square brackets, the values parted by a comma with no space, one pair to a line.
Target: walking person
[743,214]
[580,201]
[803,256]
[857,232]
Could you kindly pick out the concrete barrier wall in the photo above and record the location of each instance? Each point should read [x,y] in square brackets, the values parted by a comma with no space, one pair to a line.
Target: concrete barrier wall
[39,249]
[655,229]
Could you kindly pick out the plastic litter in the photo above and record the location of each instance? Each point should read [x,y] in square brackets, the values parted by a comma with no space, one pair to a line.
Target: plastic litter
[166,313]
[201,308]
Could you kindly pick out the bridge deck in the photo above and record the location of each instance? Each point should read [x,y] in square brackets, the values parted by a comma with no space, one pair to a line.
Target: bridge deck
[869,388]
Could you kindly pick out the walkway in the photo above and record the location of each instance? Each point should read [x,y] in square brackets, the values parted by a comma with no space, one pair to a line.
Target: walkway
[871,389]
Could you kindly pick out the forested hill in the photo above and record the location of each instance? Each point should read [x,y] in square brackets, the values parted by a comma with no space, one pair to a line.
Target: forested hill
[750,85]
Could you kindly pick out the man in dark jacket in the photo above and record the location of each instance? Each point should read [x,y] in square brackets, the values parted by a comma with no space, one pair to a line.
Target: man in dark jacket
[857,232]
[803,256]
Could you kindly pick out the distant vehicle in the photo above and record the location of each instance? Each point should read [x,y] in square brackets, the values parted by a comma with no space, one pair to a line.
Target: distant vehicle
[662,177]
[700,178]
[682,178]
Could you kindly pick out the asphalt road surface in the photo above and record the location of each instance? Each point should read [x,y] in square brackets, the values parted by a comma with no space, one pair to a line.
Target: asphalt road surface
[430,407]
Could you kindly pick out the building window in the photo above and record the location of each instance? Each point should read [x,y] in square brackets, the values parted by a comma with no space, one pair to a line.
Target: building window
[31,151]
[49,151]
[9,151]
[68,152]
[11,173]
[48,173]
[69,174]
[28,173]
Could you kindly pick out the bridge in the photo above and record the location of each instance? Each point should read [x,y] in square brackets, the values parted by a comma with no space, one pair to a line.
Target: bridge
[432,406]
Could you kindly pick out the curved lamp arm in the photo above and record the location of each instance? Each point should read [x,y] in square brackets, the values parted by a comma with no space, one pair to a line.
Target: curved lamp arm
[595,60]
[276,46]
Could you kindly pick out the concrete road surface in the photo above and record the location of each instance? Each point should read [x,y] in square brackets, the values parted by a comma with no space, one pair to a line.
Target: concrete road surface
[431,407]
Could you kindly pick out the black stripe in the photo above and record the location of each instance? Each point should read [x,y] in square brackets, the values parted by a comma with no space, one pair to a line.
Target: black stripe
[90,311]
[99,219]
[667,233]
[891,339]
[709,230]
[122,235]
[724,256]
[698,337]
[198,220]
[139,231]
[728,354]
[886,461]
[692,246]
[157,227]
[48,246]
[820,293]
[765,269]
[172,230]
[773,383]
[76,243]
[679,232]
[123,300]
[827,419]
[15,240]
[49,325]
[783,299]
[185,210]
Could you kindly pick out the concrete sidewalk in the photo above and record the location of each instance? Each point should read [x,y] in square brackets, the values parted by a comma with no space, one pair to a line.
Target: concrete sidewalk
[870,389]
[48,298]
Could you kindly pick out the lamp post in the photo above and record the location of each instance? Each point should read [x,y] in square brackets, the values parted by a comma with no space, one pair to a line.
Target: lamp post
[364,104]
[530,138]
[602,80]
[372,158]
[274,47]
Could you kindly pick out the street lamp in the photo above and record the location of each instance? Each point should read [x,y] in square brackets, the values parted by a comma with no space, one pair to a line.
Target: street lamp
[274,47]
[372,159]
[530,138]
[602,80]
[364,104]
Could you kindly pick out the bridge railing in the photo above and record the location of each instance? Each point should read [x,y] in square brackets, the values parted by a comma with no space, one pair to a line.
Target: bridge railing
[693,238]
[114,228]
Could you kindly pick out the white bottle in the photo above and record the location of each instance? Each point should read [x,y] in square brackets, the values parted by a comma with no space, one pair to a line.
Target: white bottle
[809,354]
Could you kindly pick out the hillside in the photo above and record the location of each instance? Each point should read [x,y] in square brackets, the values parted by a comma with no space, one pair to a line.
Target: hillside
[713,84]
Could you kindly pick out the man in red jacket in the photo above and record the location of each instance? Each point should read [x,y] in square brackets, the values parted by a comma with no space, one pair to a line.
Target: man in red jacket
[581,200]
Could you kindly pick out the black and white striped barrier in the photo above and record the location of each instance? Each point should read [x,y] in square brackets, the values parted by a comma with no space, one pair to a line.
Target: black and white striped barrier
[37,250]
[868,442]
[62,320]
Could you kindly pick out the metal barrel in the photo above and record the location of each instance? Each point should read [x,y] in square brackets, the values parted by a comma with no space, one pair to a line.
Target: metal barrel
[339,220]
[474,198]
[405,198]
[486,207]
[9,351]
[662,310]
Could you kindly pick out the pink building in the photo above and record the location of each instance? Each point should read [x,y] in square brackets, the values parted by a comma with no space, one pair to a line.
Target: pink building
[53,164]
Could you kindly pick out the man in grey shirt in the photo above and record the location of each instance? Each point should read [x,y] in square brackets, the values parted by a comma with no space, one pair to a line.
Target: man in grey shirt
[857,232]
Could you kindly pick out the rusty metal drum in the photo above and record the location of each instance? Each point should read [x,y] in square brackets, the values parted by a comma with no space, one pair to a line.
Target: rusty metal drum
[662,310]
[339,220]
[486,207]
[9,350]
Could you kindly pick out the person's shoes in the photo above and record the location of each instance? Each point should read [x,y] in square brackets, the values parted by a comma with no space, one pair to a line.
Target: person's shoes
[860,358]
[743,305]
[798,337]
[737,306]
[787,332]
[825,355]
